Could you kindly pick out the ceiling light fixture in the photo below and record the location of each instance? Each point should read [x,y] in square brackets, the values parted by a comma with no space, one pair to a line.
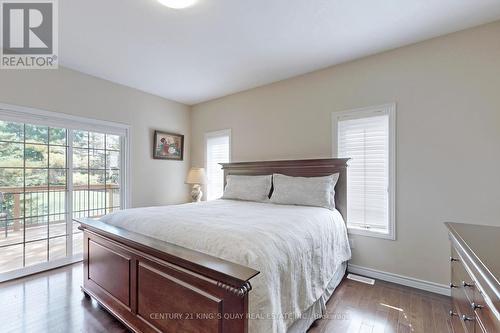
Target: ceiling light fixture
[177,4]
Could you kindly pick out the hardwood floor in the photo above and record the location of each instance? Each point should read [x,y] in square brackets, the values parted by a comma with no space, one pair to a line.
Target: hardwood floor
[52,302]
[384,307]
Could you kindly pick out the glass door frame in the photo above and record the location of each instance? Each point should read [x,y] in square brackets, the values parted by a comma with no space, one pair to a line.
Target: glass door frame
[33,116]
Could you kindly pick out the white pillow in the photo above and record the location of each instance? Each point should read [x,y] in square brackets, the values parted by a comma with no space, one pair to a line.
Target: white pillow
[305,191]
[250,188]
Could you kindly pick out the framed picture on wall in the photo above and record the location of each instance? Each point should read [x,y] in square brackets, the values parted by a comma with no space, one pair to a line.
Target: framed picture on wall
[168,146]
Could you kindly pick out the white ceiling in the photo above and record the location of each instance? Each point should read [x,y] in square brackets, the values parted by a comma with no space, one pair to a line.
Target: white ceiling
[219,47]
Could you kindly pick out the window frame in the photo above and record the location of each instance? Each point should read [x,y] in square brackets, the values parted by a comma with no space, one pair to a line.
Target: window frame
[384,109]
[35,116]
[213,134]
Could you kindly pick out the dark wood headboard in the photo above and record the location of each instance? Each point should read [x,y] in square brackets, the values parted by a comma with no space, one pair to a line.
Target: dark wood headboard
[302,168]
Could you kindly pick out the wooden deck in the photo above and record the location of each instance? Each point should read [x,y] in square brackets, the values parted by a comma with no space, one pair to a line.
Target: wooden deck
[11,257]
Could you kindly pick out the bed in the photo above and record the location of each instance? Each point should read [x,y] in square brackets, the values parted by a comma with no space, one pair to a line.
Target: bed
[221,266]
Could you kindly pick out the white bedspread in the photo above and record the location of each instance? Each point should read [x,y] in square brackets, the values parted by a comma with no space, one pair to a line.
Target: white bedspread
[295,248]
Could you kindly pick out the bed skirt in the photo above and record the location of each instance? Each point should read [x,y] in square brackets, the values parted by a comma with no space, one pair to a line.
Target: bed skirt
[318,308]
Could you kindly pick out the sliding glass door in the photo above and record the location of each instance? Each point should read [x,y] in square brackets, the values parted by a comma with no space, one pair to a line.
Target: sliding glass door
[95,177]
[33,182]
[49,175]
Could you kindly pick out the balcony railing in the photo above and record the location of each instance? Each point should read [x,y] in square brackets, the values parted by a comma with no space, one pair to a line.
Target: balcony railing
[37,205]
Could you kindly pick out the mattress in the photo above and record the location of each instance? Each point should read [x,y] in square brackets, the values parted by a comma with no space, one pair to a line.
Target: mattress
[297,249]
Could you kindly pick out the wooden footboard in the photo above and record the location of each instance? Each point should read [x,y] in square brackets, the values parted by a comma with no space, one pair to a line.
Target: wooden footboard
[154,286]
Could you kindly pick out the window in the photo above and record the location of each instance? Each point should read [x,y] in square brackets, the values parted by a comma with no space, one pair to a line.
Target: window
[217,150]
[366,136]
[50,174]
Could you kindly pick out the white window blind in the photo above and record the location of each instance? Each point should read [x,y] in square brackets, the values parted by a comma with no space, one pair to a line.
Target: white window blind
[217,151]
[365,138]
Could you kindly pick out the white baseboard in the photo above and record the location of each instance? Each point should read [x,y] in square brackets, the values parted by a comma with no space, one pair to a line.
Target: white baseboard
[400,279]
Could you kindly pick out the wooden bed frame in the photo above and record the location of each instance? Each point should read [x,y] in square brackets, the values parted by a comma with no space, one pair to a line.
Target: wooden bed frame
[155,286]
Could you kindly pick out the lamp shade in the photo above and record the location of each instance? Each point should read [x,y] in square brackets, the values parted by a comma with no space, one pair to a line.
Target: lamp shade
[196,176]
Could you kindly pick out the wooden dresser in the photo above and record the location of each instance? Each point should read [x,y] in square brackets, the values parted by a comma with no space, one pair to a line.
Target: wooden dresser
[475,276]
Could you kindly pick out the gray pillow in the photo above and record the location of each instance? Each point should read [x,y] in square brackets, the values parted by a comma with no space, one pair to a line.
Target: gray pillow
[305,191]
[250,188]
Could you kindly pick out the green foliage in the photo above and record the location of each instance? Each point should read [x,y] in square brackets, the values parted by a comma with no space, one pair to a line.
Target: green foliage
[57,136]
[11,131]
[36,134]
[80,139]
[34,155]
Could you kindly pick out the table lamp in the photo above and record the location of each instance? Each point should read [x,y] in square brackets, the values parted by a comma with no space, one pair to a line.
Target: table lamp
[196,177]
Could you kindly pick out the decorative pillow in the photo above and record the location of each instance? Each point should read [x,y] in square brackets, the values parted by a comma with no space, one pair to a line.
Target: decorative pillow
[305,191]
[249,188]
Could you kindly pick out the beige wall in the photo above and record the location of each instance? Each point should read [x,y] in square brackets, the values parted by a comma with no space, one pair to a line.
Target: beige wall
[447,92]
[153,182]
